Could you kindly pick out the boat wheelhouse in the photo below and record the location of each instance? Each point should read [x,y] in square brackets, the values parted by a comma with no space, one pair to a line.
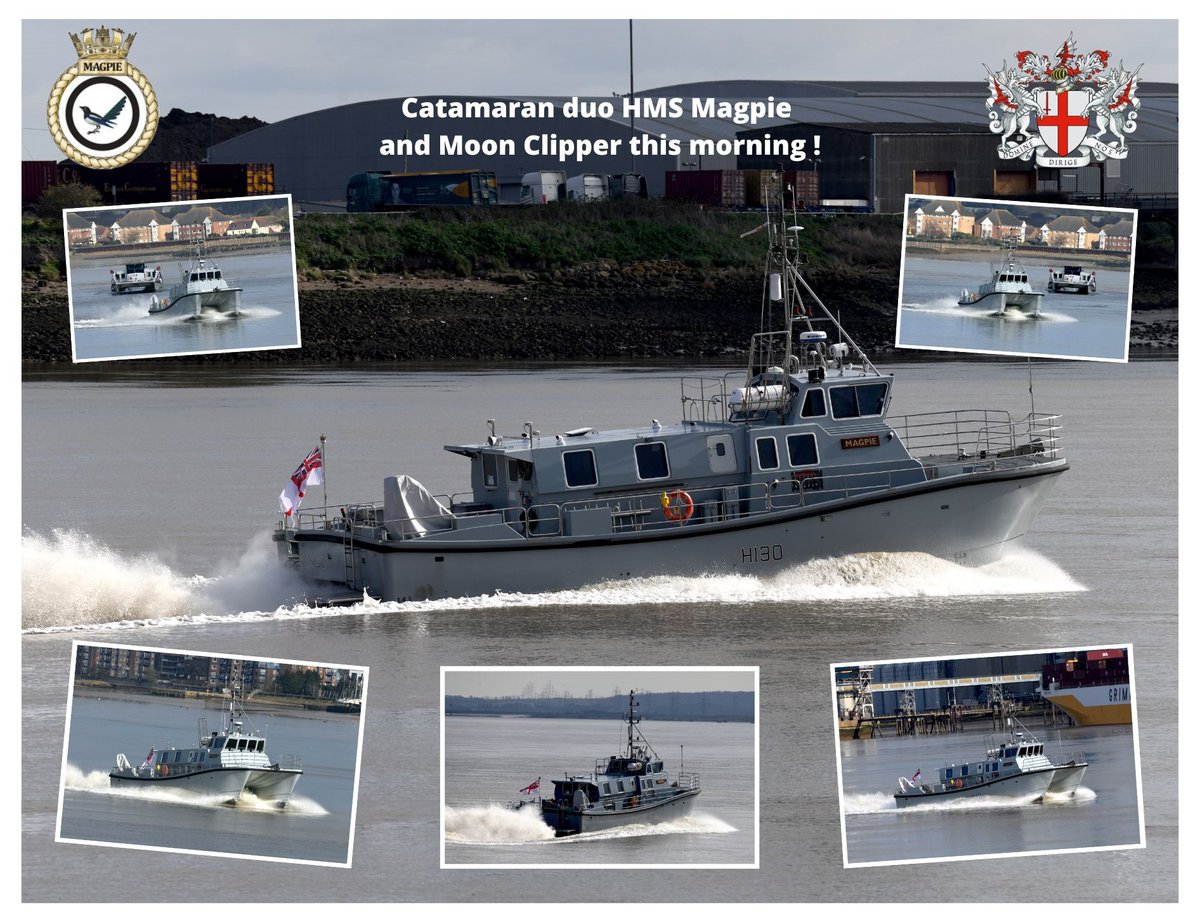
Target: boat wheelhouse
[1009,289]
[621,790]
[202,288]
[792,458]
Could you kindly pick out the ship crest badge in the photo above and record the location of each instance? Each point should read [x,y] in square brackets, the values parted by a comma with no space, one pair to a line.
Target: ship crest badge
[1067,109]
[102,111]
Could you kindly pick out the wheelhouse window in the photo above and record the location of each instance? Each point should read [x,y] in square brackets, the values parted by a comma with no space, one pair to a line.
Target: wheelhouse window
[859,400]
[814,402]
[652,461]
[802,450]
[491,470]
[580,468]
[768,453]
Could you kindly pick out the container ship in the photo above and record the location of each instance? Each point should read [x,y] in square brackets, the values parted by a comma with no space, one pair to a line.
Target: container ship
[1092,687]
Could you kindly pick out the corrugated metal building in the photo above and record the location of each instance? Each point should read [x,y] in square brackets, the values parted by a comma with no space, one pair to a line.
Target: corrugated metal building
[879,140]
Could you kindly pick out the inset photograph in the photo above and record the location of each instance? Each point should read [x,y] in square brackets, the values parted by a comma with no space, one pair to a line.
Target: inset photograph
[182,278]
[600,767]
[1023,753]
[181,751]
[1016,278]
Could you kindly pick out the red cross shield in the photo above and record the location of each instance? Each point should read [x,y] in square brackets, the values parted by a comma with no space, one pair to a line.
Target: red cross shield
[1060,119]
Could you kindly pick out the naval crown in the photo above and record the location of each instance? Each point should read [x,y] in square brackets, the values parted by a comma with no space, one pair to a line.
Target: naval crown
[103,42]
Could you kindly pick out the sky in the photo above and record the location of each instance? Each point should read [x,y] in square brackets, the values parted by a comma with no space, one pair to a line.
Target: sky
[273,70]
[602,682]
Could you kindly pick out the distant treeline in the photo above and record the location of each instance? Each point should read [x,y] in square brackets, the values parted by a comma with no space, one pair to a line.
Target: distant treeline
[715,705]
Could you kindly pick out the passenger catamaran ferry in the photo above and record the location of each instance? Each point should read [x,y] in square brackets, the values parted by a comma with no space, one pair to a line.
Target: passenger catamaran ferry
[792,458]
[222,763]
[632,787]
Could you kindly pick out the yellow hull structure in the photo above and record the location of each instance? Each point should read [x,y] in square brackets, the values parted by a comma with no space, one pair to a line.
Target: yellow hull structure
[1094,705]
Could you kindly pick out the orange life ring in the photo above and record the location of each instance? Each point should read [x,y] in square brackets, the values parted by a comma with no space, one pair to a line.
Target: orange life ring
[677,505]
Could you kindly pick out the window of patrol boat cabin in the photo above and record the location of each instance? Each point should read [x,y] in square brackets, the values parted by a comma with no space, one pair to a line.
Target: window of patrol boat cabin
[768,453]
[652,463]
[580,468]
[850,402]
[491,470]
[802,450]
[814,402]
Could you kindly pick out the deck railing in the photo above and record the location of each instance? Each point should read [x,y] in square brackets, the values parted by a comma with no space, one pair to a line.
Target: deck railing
[960,443]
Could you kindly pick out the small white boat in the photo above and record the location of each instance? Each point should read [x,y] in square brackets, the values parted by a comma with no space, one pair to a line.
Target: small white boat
[1018,768]
[135,277]
[1007,289]
[201,289]
[1074,279]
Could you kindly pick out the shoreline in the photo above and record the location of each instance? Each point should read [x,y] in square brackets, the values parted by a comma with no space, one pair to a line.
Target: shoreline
[306,707]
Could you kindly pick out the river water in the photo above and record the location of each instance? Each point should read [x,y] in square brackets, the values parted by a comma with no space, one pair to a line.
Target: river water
[120,326]
[1092,326]
[159,535]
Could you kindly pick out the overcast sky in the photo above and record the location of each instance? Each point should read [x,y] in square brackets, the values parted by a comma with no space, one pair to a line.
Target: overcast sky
[273,70]
[493,684]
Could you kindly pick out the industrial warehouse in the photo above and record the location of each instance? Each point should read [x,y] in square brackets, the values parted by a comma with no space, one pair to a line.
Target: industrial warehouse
[867,144]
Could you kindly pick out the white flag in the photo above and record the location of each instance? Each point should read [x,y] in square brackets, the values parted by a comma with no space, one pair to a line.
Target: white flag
[306,475]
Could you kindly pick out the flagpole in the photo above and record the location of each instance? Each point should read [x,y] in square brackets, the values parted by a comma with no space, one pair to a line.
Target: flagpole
[324,488]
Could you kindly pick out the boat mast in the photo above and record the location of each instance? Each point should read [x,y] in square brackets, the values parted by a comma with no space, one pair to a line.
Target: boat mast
[631,718]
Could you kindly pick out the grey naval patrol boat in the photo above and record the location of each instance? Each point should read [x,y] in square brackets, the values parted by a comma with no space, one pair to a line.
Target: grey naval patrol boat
[1018,768]
[791,459]
[201,289]
[1008,289]
[222,763]
[622,790]
[135,277]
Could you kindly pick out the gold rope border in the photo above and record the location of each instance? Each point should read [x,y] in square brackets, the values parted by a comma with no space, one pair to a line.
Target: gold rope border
[103,163]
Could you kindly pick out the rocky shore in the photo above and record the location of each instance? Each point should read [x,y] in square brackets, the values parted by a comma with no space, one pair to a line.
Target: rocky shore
[601,310]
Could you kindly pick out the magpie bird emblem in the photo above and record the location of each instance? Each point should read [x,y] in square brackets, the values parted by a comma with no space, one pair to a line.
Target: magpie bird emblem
[107,120]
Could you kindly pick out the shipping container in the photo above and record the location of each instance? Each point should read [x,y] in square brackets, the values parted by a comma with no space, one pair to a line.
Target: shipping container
[378,191]
[236,180]
[36,177]
[137,183]
[718,188]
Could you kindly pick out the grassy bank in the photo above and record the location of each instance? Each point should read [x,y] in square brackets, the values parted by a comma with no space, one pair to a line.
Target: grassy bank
[466,242]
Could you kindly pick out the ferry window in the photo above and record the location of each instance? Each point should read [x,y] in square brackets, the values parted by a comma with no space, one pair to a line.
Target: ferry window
[607,788]
[178,756]
[768,453]
[490,472]
[964,771]
[217,274]
[949,773]
[261,744]
[652,461]
[862,400]
[580,468]
[802,450]
[814,402]
[719,448]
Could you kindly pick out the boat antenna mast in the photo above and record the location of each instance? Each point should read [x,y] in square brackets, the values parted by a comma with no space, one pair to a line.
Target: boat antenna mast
[632,719]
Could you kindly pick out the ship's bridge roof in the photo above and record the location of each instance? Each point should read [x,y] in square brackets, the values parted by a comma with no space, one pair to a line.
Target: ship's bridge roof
[518,446]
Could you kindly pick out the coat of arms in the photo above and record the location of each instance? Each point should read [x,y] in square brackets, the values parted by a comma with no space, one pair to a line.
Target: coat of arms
[1067,109]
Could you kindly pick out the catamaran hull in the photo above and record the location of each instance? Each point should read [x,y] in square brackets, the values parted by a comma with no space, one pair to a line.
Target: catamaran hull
[1067,778]
[1026,786]
[273,784]
[227,301]
[226,783]
[998,302]
[970,523]
[569,821]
